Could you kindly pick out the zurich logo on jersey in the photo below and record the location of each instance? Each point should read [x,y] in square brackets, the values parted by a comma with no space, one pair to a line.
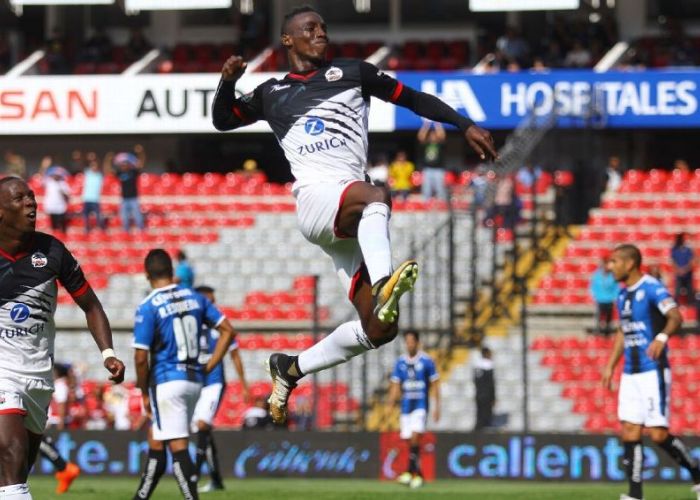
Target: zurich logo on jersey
[19,313]
[314,126]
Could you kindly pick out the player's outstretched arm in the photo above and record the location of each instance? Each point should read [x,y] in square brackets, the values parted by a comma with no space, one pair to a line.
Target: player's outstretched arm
[615,355]
[381,85]
[226,335]
[98,324]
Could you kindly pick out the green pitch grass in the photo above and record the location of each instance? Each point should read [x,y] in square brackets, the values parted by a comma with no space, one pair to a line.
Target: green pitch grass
[319,489]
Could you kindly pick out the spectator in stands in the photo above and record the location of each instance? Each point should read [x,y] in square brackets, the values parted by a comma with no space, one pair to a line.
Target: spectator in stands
[116,402]
[505,211]
[56,193]
[578,57]
[5,52]
[77,162]
[528,175]
[400,175]
[97,48]
[137,46]
[485,384]
[655,272]
[538,65]
[56,53]
[604,290]
[379,171]
[431,137]
[479,184]
[683,260]
[250,169]
[92,192]
[512,47]
[15,165]
[613,176]
[184,274]
[563,211]
[681,166]
[303,414]
[258,416]
[129,166]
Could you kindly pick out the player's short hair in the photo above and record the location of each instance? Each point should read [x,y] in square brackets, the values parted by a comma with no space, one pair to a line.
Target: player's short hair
[414,333]
[10,178]
[630,252]
[158,264]
[302,9]
[204,289]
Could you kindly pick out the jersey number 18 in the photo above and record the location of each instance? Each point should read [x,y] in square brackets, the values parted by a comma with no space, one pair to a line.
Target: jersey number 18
[186,333]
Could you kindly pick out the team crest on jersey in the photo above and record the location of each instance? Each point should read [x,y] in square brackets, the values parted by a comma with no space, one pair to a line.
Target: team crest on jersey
[639,296]
[39,260]
[334,74]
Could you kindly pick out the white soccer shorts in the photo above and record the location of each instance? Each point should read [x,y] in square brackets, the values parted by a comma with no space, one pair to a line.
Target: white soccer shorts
[207,404]
[414,422]
[29,397]
[644,398]
[318,206]
[172,405]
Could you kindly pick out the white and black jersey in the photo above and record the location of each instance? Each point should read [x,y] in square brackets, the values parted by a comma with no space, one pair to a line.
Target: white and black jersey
[28,293]
[320,118]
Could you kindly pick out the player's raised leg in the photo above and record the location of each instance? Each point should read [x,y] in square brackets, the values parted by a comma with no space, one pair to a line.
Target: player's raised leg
[364,214]
[66,472]
[364,265]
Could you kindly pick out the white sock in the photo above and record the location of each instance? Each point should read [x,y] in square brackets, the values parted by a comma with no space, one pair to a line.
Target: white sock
[373,237]
[343,343]
[15,492]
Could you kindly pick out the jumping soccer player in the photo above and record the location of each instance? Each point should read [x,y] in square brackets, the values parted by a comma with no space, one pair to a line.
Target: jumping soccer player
[648,317]
[319,112]
[168,329]
[31,263]
[210,398]
[413,380]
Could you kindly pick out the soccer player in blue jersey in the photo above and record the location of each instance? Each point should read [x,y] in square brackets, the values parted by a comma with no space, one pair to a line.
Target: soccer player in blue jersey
[648,317]
[209,399]
[168,330]
[413,380]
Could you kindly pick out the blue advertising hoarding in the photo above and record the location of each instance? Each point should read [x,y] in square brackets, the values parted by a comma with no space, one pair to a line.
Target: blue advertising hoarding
[636,99]
[248,454]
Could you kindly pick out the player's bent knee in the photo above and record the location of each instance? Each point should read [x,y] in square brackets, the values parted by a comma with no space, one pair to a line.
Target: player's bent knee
[383,337]
[13,465]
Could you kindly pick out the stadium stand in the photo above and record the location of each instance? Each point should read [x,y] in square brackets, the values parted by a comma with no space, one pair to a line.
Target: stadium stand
[650,209]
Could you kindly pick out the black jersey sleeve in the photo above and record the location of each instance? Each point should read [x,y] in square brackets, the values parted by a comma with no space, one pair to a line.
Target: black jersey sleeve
[377,83]
[70,274]
[229,112]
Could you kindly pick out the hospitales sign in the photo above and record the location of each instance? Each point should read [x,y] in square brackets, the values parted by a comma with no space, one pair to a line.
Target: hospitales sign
[617,99]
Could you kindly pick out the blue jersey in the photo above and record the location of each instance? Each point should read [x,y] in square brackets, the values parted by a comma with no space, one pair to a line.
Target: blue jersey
[414,376]
[169,323]
[643,307]
[207,344]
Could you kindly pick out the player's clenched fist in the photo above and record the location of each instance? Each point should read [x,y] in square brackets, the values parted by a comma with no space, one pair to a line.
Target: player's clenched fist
[233,68]
[116,368]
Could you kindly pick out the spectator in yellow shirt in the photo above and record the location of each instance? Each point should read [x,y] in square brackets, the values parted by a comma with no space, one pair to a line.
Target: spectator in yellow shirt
[400,172]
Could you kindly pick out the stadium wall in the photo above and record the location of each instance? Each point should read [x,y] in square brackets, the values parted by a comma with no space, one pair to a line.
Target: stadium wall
[181,103]
[247,454]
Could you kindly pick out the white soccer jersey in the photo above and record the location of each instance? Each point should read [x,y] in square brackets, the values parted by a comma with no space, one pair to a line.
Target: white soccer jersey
[320,118]
[28,293]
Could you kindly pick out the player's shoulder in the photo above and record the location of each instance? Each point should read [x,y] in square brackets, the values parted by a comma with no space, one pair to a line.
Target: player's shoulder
[653,284]
[47,242]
